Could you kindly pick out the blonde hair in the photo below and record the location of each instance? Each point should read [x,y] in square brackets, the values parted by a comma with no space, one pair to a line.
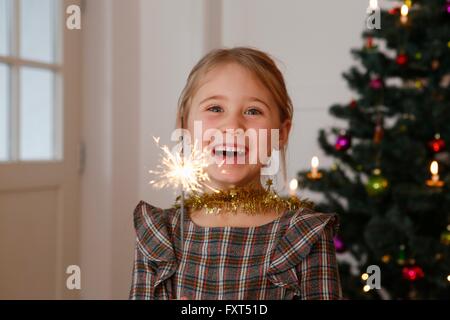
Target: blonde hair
[259,63]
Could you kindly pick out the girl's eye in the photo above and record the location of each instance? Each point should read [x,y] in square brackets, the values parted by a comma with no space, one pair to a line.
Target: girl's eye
[253,112]
[215,109]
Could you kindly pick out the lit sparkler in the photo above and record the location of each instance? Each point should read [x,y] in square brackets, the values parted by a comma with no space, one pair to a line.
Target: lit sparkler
[183,170]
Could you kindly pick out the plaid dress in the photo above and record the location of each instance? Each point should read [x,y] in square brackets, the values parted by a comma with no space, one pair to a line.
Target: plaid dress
[292,257]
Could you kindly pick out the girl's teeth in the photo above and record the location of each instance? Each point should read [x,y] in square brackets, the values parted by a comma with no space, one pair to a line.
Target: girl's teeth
[229,151]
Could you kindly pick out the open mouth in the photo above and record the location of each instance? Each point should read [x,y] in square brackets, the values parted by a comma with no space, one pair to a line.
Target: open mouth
[230,153]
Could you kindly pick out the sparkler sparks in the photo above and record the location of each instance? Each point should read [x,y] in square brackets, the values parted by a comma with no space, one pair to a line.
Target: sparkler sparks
[181,170]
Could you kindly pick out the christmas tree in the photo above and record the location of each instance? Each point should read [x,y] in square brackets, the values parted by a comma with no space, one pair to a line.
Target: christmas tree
[390,179]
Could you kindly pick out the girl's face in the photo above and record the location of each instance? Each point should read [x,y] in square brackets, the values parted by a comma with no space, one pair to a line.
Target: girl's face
[231,97]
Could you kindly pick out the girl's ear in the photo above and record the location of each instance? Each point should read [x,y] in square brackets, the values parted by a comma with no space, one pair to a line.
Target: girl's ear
[285,128]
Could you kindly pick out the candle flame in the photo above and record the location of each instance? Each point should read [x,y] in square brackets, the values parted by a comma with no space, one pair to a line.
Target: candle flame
[404,10]
[373,4]
[434,167]
[314,162]
[293,184]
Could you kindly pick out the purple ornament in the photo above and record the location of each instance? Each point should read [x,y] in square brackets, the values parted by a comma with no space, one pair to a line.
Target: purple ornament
[338,244]
[447,8]
[343,142]
[376,83]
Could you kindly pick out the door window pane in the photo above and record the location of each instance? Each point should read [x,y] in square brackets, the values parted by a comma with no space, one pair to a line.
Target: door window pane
[30,116]
[5,14]
[37,114]
[38,29]
[4,112]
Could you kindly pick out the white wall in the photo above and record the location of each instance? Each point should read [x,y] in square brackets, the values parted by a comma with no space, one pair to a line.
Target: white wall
[137,55]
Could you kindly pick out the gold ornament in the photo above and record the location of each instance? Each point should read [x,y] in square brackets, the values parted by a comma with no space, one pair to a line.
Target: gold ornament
[445,236]
[386,258]
[250,200]
[378,134]
[413,294]
[435,64]
[418,84]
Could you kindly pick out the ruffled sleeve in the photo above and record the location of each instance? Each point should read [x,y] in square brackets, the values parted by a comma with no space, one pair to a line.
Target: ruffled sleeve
[154,258]
[304,259]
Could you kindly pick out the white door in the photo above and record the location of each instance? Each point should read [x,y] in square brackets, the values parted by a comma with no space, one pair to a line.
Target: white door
[40,104]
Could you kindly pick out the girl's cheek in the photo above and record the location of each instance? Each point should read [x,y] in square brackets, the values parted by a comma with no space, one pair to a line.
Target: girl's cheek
[205,133]
[207,120]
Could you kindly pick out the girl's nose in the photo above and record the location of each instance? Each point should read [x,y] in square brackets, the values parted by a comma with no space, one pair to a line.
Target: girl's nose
[233,121]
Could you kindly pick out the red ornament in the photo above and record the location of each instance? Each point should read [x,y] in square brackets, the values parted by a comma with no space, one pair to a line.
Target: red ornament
[395,10]
[369,42]
[353,104]
[412,273]
[437,144]
[376,83]
[402,59]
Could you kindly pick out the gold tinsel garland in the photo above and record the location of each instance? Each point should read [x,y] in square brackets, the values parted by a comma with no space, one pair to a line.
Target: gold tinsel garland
[248,199]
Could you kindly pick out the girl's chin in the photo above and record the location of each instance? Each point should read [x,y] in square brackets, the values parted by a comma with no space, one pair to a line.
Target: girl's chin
[230,175]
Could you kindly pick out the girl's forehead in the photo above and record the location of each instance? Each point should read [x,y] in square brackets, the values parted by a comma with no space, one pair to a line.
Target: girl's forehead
[230,79]
[223,72]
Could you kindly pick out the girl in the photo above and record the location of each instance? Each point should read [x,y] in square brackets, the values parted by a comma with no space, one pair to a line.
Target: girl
[256,246]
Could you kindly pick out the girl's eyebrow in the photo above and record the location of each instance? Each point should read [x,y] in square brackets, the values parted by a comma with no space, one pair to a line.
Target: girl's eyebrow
[258,100]
[215,97]
[220,97]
